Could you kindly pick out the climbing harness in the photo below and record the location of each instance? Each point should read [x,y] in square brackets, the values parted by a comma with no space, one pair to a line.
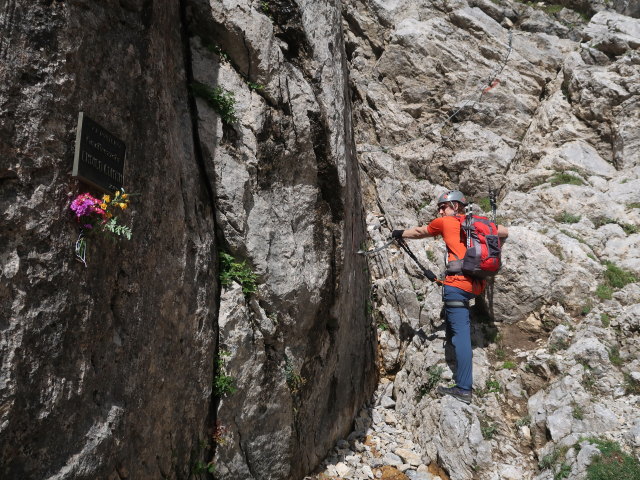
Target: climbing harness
[456,303]
[489,85]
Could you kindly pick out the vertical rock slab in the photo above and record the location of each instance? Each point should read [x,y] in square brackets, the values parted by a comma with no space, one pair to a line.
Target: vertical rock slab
[105,371]
[300,349]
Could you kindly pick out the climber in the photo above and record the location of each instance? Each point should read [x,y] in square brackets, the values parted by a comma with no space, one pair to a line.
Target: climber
[458,288]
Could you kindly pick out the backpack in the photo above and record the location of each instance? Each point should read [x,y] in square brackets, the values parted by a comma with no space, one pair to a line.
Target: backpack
[482,258]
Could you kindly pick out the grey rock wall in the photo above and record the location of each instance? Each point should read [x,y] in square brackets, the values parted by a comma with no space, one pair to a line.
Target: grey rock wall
[301,348]
[541,103]
[106,370]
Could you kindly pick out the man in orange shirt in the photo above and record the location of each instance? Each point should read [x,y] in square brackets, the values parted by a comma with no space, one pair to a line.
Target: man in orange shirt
[458,288]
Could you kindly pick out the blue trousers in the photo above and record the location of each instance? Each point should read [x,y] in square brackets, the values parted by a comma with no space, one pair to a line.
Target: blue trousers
[458,324]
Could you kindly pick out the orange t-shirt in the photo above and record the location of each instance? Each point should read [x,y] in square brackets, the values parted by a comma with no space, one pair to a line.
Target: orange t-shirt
[449,228]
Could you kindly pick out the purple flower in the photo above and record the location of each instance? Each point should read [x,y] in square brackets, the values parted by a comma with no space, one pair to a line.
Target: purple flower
[85,205]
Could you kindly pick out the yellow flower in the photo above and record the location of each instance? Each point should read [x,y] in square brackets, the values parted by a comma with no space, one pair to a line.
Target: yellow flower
[122,205]
[109,215]
[125,195]
[103,206]
[106,198]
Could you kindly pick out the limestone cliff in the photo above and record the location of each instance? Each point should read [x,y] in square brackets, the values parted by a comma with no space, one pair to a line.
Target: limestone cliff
[107,371]
[539,101]
[235,334]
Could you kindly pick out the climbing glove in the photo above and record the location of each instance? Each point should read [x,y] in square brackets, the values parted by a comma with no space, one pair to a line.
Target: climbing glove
[397,234]
[430,275]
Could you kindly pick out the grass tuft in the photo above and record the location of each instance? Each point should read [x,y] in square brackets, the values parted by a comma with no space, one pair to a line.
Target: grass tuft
[617,277]
[565,179]
[566,217]
[221,100]
[612,463]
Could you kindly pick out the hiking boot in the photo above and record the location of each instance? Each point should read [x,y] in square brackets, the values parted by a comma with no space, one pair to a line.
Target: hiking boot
[456,392]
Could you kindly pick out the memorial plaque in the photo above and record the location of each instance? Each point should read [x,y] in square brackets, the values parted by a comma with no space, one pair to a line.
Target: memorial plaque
[99,158]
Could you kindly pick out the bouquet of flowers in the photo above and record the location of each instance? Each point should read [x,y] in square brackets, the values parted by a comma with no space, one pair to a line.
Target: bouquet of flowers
[98,215]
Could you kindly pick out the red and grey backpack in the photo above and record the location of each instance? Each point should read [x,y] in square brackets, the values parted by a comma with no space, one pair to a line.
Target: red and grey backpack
[482,259]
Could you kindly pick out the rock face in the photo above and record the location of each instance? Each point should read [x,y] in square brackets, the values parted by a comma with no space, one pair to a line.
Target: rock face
[282,136]
[288,197]
[107,371]
[540,102]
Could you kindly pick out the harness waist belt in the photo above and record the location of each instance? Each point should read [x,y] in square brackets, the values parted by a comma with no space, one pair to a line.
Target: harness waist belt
[457,303]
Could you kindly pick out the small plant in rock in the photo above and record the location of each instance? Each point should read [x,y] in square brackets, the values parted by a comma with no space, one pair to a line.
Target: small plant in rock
[631,385]
[633,205]
[617,277]
[552,459]
[295,381]
[605,320]
[382,325]
[201,467]
[589,380]
[566,217]
[491,386]
[586,308]
[558,345]
[524,421]
[629,228]
[212,47]
[604,292]
[256,87]
[612,463]
[485,204]
[431,256]
[434,375]
[501,354]
[577,412]
[601,220]
[573,235]
[614,356]
[509,365]
[223,384]
[487,428]
[565,178]
[234,271]
[563,472]
[614,278]
[548,461]
[221,100]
